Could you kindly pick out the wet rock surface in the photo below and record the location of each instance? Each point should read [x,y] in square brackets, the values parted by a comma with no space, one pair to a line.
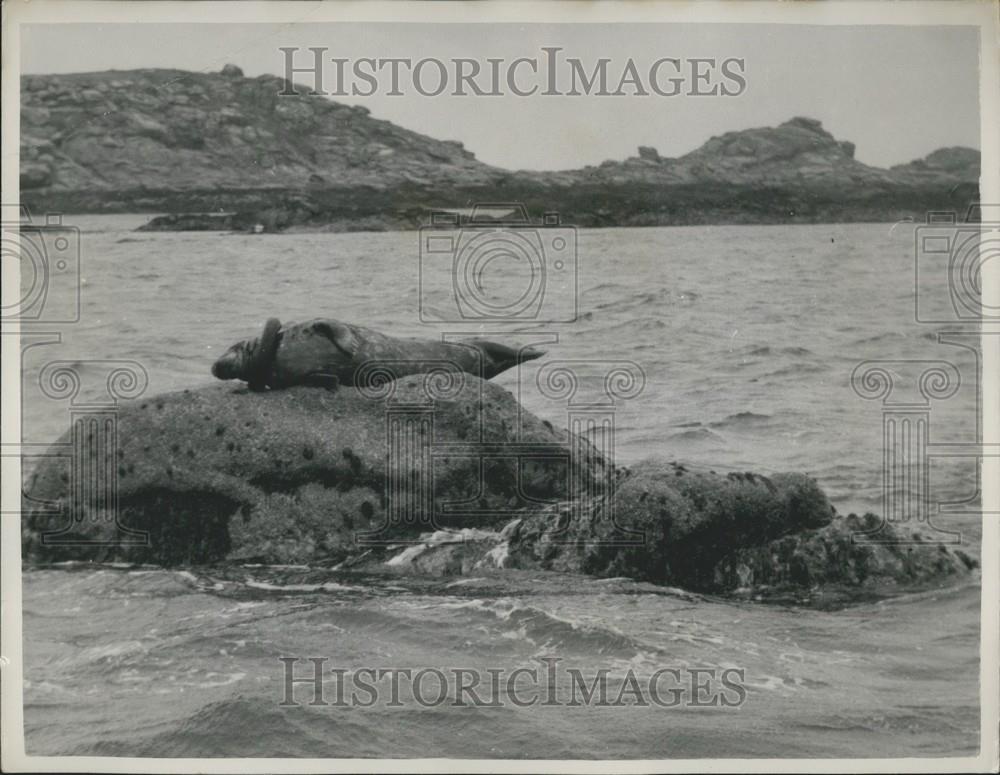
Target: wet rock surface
[851,558]
[222,476]
[297,475]
[670,525]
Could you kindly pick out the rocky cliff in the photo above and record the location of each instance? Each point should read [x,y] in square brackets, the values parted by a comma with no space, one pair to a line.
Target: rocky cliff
[175,141]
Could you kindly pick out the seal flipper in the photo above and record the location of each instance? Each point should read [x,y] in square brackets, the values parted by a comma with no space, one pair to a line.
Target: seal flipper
[259,366]
[341,336]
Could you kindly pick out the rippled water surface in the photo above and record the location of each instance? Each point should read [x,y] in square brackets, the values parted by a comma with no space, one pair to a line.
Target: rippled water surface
[747,337]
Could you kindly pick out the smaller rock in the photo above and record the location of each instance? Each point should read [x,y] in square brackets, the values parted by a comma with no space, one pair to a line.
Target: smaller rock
[232,71]
[671,525]
[35,175]
[831,565]
[811,124]
[648,153]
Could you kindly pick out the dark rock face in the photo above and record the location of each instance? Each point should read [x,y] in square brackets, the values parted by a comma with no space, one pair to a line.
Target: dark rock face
[294,475]
[190,222]
[834,562]
[648,153]
[35,175]
[822,567]
[672,526]
[837,554]
[770,538]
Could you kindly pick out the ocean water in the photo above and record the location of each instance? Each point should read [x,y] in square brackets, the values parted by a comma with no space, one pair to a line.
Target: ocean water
[744,338]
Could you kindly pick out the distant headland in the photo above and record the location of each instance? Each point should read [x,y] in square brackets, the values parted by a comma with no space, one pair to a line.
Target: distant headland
[222,151]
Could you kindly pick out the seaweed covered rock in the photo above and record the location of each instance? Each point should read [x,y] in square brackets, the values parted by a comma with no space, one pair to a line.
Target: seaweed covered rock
[849,558]
[773,537]
[299,475]
[672,525]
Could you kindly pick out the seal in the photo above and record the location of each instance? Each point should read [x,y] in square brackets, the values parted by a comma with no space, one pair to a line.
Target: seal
[327,352]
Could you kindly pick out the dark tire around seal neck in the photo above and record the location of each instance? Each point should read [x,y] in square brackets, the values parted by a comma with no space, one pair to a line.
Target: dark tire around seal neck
[260,364]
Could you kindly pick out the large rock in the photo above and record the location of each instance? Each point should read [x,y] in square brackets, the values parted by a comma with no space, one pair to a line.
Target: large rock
[295,475]
[765,537]
[672,525]
[34,175]
[298,476]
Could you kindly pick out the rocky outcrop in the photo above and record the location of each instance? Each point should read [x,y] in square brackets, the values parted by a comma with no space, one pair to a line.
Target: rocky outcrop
[173,130]
[799,153]
[795,152]
[829,566]
[217,475]
[180,142]
[956,163]
[672,525]
[847,558]
[765,537]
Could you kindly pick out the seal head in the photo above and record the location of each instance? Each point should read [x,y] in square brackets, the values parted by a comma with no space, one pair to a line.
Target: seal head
[251,360]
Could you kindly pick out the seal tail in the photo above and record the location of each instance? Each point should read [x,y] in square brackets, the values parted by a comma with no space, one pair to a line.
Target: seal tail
[501,357]
[525,354]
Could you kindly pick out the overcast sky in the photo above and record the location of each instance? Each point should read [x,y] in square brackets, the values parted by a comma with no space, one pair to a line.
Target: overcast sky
[896,92]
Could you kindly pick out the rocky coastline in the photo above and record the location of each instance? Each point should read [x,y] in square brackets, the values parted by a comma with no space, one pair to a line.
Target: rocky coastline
[222,151]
